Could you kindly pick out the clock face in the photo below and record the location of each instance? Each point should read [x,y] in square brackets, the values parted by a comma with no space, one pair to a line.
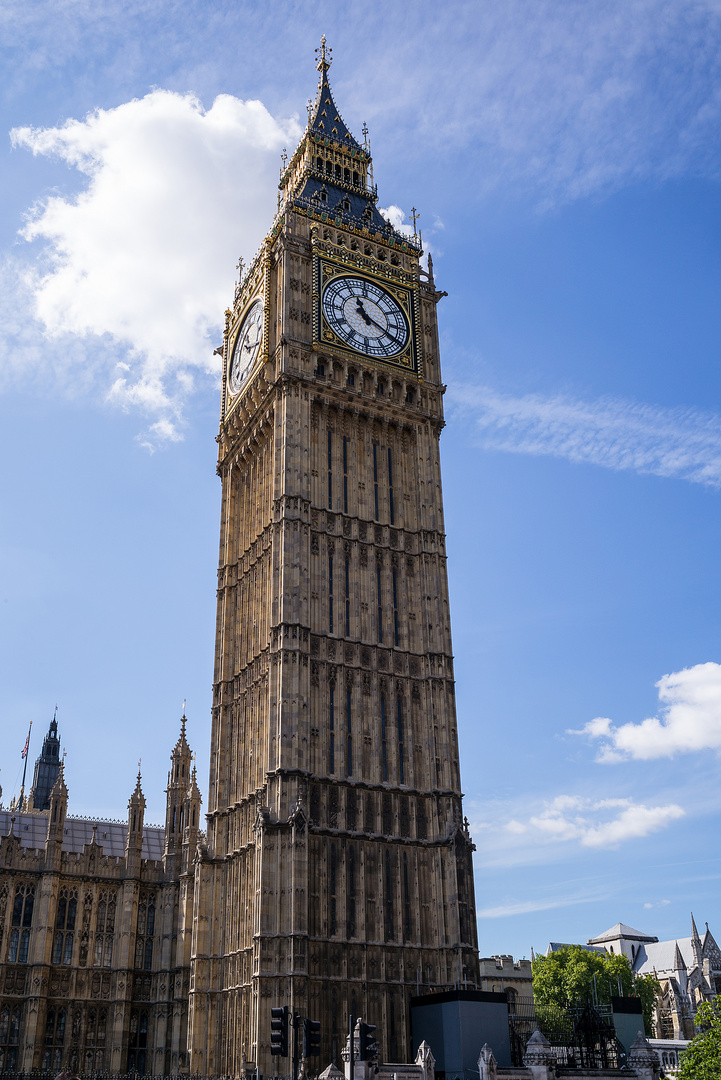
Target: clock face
[246,347]
[365,317]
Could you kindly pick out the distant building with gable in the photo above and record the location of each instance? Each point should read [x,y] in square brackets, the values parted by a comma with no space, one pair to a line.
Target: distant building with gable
[688,970]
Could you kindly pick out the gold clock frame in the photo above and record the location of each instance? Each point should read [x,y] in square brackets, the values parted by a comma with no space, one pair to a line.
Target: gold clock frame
[326,269]
[259,290]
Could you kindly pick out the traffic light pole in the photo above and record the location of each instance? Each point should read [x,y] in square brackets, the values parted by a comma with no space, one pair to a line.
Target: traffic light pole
[351,1022]
[296,1024]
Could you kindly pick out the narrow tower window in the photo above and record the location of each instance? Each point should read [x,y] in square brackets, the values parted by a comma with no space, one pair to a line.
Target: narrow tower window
[331,762]
[389,898]
[347,598]
[330,471]
[406,898]
[384,748]
[349,732]
[345,473]
[395,610]
[351,893]
[375,477]
[333,922]
[330,594]
[399,719]
[380,603]
[390,485]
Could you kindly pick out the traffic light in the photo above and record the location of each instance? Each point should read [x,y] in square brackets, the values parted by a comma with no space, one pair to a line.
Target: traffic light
[368,1047]
[279,1031]
[311,1038]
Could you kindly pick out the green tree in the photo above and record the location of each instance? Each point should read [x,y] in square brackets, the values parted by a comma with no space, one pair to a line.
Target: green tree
[702,1059]
[566,977]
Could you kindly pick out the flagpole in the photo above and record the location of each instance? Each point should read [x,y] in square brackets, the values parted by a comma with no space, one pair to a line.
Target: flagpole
[26,755]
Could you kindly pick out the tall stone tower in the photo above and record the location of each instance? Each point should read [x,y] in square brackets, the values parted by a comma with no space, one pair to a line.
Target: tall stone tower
[47,768]
[337,874]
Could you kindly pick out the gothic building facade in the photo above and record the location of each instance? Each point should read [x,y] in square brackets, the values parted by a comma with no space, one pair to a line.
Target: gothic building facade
[95,929]
[336,874]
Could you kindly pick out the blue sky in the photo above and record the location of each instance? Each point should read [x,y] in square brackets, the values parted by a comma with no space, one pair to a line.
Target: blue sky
[565,158]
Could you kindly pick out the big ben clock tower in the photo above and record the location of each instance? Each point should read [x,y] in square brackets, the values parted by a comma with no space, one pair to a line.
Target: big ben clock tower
[337,874]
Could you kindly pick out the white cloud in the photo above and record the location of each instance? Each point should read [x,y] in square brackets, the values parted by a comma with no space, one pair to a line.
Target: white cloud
[570,817]
[622,435]
[658,903]
[556,829]
[145,253]
[689,720]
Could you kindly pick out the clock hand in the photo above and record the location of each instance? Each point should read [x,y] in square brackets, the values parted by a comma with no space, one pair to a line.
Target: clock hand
[362,311]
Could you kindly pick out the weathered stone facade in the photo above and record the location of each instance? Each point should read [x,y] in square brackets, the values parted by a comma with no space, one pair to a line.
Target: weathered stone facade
[337,872]
[95,933]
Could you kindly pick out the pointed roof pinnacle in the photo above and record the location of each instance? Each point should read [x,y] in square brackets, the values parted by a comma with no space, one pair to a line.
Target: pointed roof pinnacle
[138,791]
[323,59]
[59,787]
[694,931]
[324,120]
[678,960]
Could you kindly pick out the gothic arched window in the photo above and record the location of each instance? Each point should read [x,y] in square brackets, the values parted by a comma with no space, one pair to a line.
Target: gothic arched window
[145,931]
[21,921]
[105,929]
[10,1019]
[65,926]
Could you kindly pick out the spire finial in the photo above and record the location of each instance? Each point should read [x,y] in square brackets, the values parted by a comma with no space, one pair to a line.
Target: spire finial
[324,57]
[414,215]
[364,132]
[140,761]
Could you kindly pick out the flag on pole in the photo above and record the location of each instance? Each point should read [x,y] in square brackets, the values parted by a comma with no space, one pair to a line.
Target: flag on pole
[26,747]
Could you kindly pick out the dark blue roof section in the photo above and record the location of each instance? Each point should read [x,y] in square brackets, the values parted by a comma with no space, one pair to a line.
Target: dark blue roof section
[325,119]
[362,209]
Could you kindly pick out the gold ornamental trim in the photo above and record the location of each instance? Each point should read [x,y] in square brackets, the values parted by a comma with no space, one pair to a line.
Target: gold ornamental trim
[325,270]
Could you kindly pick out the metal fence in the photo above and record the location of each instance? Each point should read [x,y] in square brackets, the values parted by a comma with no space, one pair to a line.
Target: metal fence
[582,1036]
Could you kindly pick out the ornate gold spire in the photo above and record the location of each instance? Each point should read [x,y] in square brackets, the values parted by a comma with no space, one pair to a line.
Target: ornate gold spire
[324,57]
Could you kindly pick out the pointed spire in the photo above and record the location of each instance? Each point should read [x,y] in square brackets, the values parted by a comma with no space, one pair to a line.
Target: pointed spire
[678,961]
[60,790]
[324,120]
[694,931]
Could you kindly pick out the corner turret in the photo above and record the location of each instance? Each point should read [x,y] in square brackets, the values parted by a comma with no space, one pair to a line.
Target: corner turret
[136,816]
[182,813]
[58,807]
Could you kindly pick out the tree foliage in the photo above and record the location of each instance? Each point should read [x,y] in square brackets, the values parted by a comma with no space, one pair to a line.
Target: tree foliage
[566,977]
[702,1059]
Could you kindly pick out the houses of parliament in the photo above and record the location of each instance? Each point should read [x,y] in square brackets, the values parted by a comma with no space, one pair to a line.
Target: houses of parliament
[329,867]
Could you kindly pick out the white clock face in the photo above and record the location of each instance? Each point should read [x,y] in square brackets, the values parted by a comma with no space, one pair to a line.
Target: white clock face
[246,347]
[365,317]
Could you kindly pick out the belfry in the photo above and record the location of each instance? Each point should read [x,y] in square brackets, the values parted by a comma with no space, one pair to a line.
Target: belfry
[336,877]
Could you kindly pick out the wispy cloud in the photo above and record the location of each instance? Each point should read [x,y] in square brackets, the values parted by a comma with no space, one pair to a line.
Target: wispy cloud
[145,253]
[678,443]
[569,98]
[689,720]
[526,907]
[562,826]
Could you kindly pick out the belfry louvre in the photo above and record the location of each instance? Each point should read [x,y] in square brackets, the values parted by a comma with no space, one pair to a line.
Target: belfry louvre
[338,874]
[335,875]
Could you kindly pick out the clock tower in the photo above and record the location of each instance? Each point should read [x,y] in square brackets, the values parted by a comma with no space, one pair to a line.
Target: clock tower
[336,877]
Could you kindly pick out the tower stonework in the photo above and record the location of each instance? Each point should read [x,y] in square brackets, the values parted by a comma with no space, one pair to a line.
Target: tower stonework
[337,873]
